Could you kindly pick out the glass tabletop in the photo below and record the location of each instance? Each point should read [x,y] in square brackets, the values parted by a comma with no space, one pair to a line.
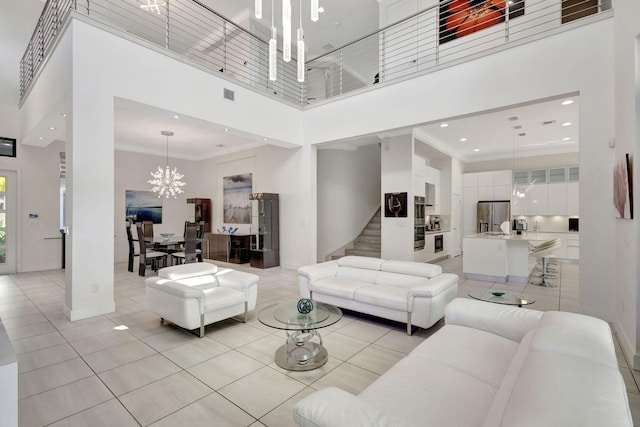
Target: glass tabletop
[285,315]
[502,297]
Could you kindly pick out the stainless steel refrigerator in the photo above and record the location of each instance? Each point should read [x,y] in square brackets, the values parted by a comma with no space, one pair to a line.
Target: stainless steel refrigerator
[492,214]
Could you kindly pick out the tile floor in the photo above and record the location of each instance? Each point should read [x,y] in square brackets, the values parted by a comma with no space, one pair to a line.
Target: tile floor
[86,373]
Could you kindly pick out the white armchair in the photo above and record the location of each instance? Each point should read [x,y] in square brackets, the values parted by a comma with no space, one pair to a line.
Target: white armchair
[194,295]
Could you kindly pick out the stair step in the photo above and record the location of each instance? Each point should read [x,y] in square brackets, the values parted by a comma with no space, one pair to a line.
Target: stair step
[369,232]
[369,239]
[360,252]
[367,246]
[373,226]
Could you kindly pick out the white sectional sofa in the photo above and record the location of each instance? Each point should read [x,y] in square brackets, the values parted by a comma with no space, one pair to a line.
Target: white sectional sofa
[404,291]
[490,365]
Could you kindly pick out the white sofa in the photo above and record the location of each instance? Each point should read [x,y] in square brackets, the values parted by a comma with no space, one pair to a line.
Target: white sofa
[197,294]
[490,365]
[404,291]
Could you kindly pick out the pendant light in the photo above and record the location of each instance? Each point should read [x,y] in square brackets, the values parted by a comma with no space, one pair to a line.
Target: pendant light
[166,182]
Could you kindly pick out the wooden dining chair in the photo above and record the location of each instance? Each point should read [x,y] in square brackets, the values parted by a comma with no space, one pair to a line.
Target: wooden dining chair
[147,254]
[147,227]
[188,255]
[131,240]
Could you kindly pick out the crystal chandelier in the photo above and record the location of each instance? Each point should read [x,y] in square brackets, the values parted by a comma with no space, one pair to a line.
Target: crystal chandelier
[286,36]
[167,182]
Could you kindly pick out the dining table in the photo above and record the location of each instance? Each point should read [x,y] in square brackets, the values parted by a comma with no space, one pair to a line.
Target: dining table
[168,244]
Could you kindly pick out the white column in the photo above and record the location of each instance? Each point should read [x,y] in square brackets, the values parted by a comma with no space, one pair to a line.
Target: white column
[90,201]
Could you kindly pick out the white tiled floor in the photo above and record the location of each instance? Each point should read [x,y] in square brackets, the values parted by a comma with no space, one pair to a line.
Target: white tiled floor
[86,373]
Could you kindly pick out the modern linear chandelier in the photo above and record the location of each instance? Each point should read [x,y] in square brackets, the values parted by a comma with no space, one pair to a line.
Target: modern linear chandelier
[286,36]
[167,182]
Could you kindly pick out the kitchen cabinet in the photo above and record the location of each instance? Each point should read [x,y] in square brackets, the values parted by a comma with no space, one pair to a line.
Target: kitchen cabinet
[557,199]
[573,198]
[538,199]
[573,246]
[520,203]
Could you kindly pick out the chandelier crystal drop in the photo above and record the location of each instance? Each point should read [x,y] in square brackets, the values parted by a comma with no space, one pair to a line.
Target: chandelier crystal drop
[167,182]
[286,37]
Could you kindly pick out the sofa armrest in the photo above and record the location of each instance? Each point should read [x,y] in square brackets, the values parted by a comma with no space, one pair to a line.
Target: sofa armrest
[509,322]
[333,407]
[175,288]
[236,279]
[319,271]
[435,286]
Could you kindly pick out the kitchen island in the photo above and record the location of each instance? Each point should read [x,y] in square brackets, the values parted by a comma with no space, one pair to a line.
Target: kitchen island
[498,257]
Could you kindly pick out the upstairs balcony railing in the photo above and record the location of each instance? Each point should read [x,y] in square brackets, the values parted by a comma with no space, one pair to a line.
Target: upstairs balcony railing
[444,34]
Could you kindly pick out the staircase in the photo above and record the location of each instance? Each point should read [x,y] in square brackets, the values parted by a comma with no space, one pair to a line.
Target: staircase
[368,242]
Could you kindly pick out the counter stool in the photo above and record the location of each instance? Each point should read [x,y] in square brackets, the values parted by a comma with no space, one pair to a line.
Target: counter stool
[544,251]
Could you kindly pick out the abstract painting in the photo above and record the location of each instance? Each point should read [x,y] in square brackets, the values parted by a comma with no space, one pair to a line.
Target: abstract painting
[235,194]
[459,18]
[395,205]
[143,206]
[623,187]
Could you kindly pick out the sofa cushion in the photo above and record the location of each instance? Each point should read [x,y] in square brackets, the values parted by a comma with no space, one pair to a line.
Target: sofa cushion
[361,274]
[400,280]
[183,271]
[221,297]
[393,297]
[337,287]
[577,335]
[363,262]
[424,392]
[412,268]
[483,355]
[555,389]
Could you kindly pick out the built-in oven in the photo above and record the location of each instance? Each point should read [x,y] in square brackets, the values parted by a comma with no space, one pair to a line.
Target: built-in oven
[438,243]
[418,211]
[418,237]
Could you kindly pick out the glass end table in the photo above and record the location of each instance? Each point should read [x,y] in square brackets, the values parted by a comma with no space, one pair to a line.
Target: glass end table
[507,298]
[303,349]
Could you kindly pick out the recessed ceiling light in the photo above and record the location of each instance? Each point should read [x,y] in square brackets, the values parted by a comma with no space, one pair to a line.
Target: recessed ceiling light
[566,138]
[226,129]
[476,149]
[567,102]
[265,139]
[175,116]
[463,139]
[40,138]
[63,115]
[567,124]
[444,125]
[321,9]
[52,128]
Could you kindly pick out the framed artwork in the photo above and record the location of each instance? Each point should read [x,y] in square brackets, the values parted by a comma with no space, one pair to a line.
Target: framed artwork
[623,187]
[7,147]
[235,198]
[143,206]
[395,205]
[459,18]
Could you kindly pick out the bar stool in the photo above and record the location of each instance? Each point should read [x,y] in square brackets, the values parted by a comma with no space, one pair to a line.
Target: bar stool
[544,251]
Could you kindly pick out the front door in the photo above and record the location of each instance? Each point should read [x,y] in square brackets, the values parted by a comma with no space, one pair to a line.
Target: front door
[8,222]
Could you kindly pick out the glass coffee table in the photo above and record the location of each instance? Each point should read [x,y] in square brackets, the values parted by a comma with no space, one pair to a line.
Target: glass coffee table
[303,348]
[502,297]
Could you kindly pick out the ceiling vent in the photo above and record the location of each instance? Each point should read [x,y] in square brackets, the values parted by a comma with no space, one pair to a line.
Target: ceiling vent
[328,46]
[549,122]
[517,127]
[229,94]
[522,134]
[513,119]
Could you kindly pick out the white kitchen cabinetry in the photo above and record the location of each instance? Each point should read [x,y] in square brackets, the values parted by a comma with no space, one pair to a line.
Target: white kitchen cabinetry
[573,198]
[538,199]
[557,198]
[520,205]
[470,210]
[418,185]
[573,246]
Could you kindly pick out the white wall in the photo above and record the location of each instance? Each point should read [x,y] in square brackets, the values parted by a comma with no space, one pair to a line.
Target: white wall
[573,62]
[625,280]
[397,177]
[348,195]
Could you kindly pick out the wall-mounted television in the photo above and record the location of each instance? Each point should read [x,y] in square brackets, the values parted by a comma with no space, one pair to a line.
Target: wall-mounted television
[7,147]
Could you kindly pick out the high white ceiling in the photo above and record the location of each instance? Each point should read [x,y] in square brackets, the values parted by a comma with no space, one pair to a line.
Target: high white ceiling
[138,126]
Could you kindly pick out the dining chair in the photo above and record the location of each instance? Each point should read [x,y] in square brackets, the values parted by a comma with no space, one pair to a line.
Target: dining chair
[188,255]
[200,237]
[147,254]
[147,227]
[131,240]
